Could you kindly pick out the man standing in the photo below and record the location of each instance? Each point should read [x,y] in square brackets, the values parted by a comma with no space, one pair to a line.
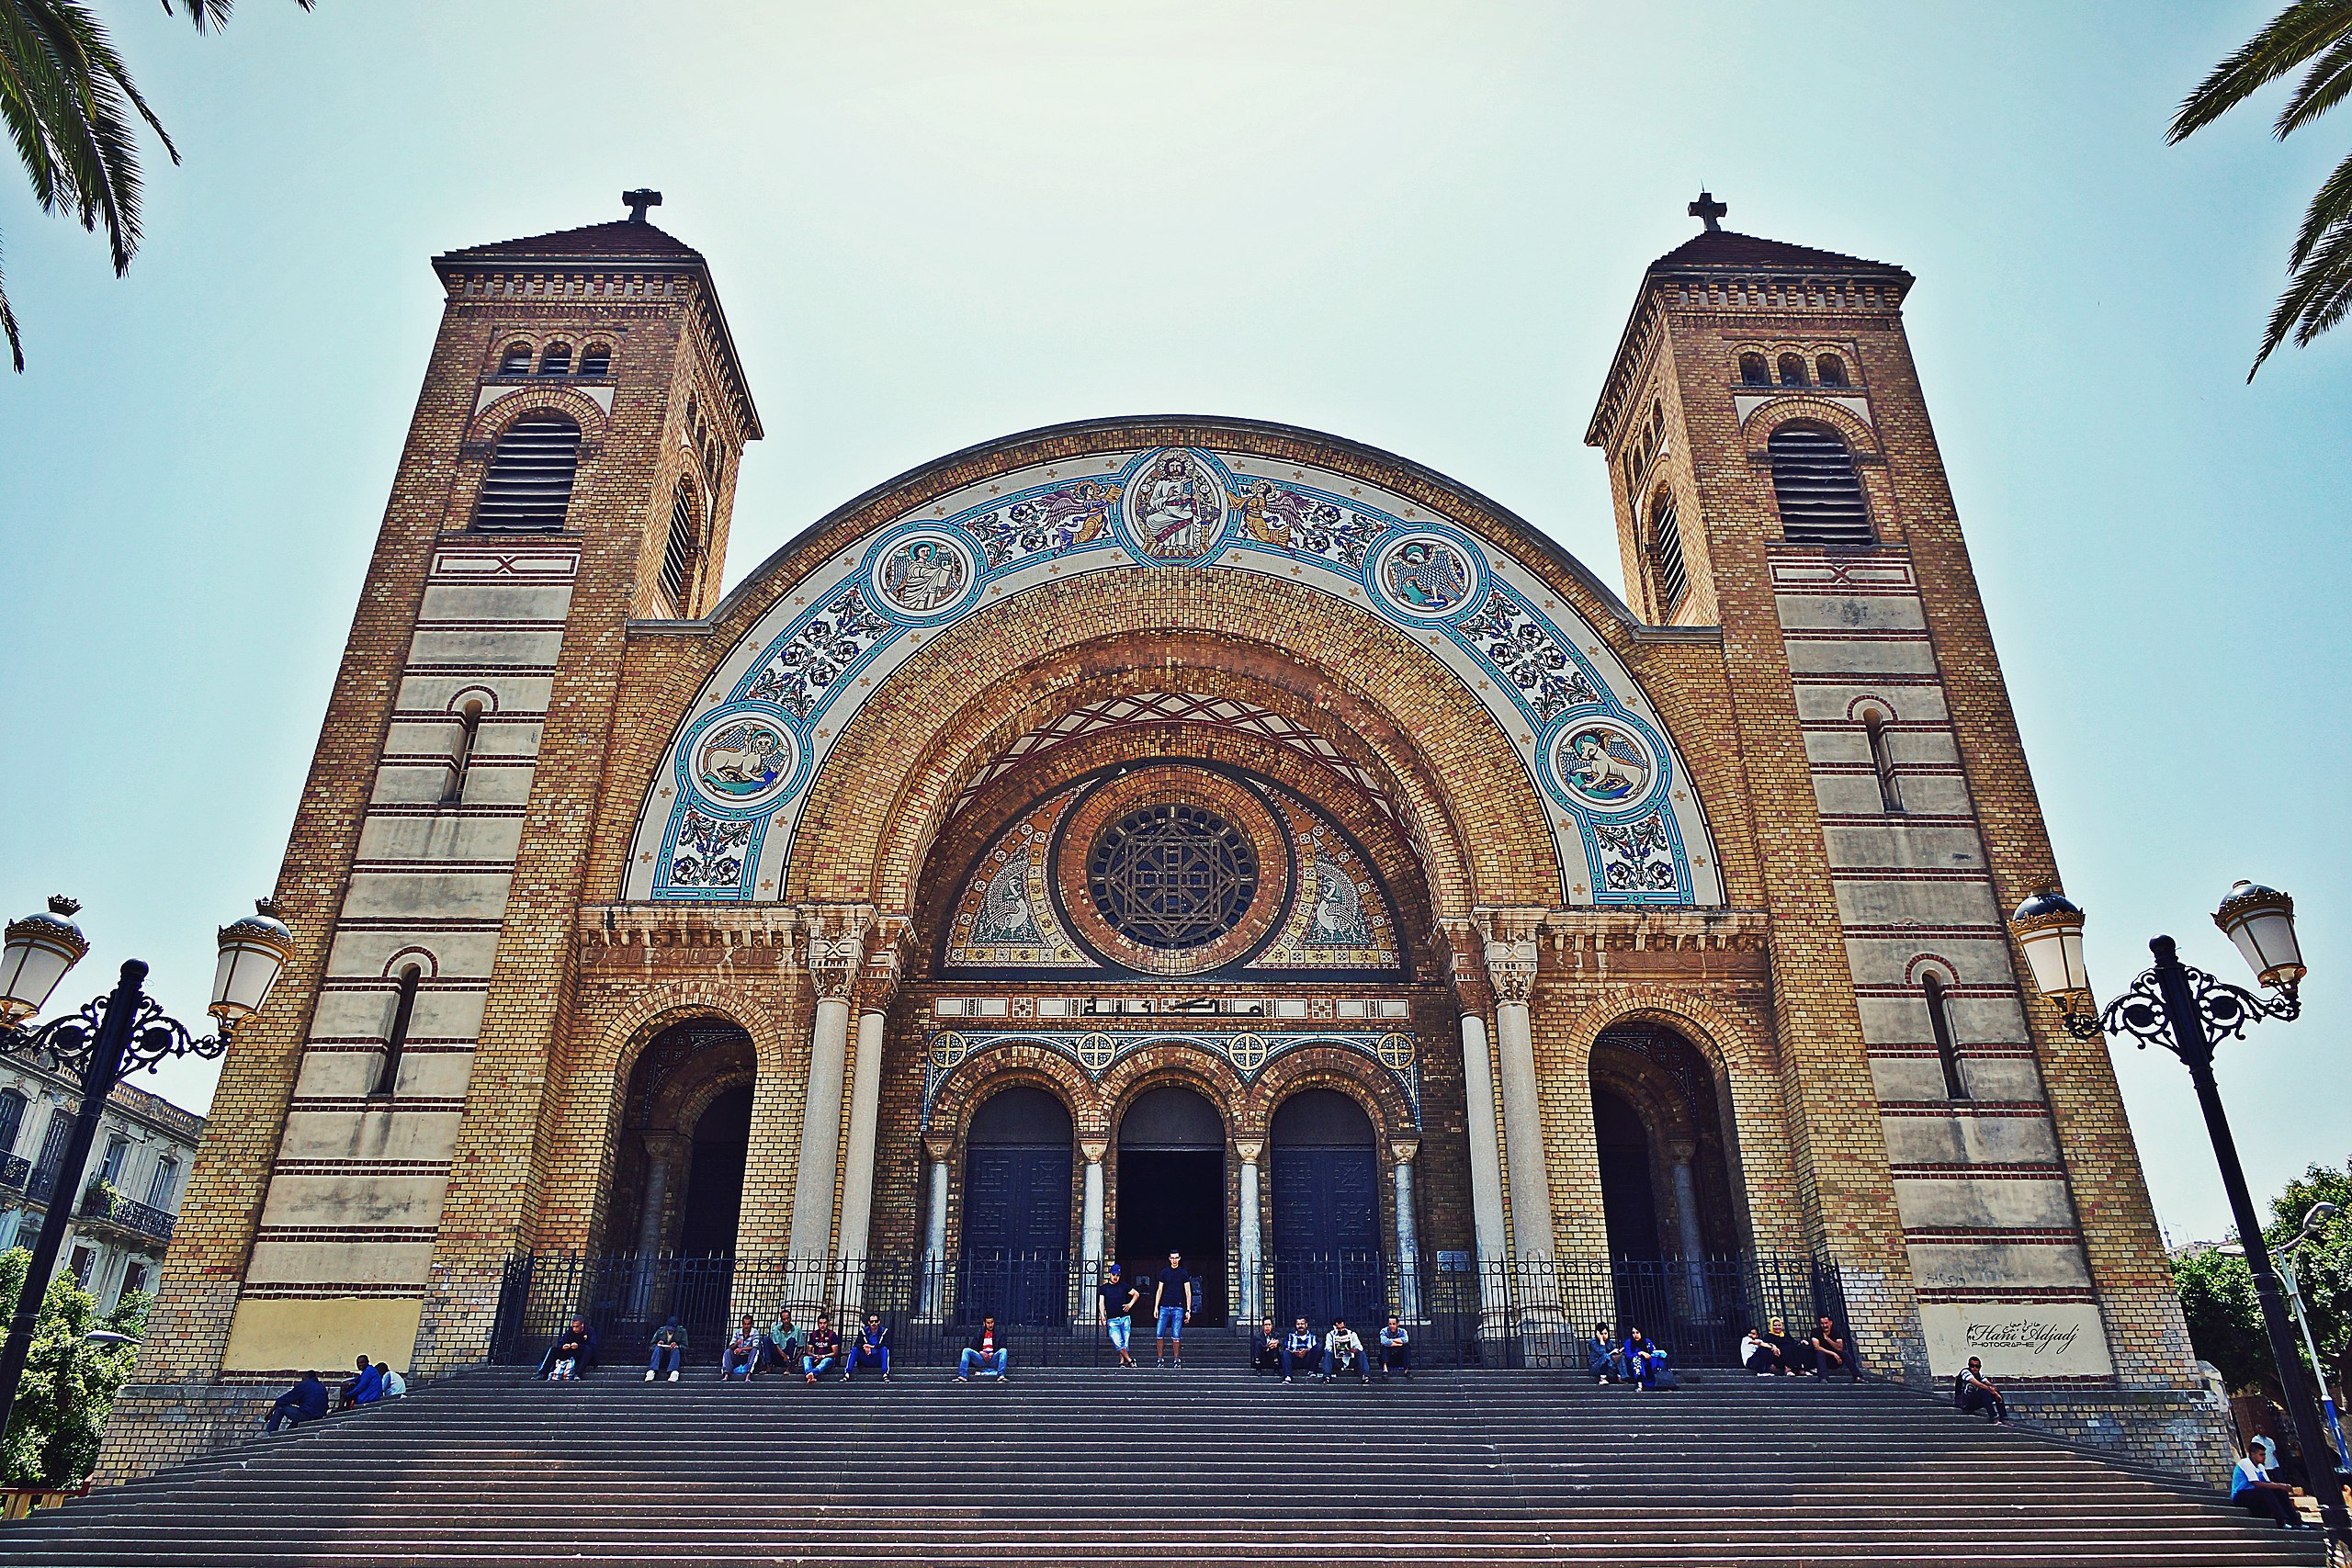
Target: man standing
[1173,1302]
[1119,1302]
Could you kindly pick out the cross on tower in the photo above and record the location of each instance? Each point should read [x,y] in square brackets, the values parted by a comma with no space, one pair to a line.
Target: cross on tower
[1706,208]
[641,198]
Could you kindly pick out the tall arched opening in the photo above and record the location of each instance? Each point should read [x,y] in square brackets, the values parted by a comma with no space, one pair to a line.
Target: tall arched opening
[1017,1164]
[1325,1203]
[1665,1148]
[1172,1192]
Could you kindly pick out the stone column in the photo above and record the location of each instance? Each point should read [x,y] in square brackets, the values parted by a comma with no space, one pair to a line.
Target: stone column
[1686,1220]
[1253,1241]
[1511,967]
[933,1299]
[662,1152]
[874,992]
[1089,1232]
[1408,1237]
[1486,1144]
[836,951]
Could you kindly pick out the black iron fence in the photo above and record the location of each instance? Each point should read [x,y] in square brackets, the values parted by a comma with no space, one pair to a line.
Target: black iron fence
[1461,1312]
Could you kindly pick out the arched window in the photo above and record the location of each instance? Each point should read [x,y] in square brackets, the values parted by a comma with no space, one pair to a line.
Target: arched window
[557,360]
[1669,572]
[685,545]
[1832,370]
[12,1119]
[387,1076]
[596,359]
[165,1186]
[1890,789]
[1792,370]
[1947,1047]
[528,488]
[461,756]
[1820,494]
[1753,371]
[516,360]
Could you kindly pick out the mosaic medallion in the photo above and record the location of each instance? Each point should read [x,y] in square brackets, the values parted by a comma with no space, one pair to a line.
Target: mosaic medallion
[925,575]
[1603,763]
[744,762]
[1176,508]
[1426,575]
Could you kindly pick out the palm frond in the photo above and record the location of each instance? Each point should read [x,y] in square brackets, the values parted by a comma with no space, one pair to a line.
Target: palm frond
[2331,207]
[212,14]
[2321,90]
[8,328]
[2316,298]
[2306,28]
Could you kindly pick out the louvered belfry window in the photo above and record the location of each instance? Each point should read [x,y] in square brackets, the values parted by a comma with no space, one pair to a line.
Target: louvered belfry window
[528,488]
[1666,555]
[678,554]
[1820,494]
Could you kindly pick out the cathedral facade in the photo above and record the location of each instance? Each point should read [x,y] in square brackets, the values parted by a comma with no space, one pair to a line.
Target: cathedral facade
[1168,832]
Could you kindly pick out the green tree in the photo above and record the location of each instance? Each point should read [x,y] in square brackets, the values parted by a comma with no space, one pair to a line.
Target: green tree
[70,1383]
[2224,1316]
[2318,34]
[2225,1319]
[72,111]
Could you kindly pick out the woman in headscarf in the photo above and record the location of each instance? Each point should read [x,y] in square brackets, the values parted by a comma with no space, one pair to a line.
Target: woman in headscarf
[1644,1362]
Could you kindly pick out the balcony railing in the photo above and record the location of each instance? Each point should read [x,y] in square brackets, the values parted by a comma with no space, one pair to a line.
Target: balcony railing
[125,1214]
[1461,1311]
[13,1170]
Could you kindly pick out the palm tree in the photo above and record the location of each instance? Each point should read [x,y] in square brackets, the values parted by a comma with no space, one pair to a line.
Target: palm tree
[2317,33]
[68,102]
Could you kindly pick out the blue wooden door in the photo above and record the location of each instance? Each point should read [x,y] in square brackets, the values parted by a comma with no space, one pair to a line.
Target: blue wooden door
[1327,1236]
[1016,1233]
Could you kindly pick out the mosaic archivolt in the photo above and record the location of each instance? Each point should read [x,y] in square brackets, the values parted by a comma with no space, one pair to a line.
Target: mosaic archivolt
[719,823]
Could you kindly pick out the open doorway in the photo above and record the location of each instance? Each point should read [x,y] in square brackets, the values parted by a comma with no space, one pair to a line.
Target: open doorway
[715,1180]
[1171,1194]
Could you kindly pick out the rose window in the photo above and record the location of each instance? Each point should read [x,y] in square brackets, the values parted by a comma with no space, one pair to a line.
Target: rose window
[1171,876]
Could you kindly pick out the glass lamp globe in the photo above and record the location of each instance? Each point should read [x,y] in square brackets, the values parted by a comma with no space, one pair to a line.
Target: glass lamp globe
[2049,928]
[252,952]
[2261,921]
[41,949]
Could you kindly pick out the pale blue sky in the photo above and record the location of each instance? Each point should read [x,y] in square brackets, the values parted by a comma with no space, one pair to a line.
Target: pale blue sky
[1415,225]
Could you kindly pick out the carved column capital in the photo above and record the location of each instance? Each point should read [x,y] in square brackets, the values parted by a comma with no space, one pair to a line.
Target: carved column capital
[835,936]
[885,964]
[1513,950]
[939,1146]
[1404,1149]
[1095,1149]
[1250,1149]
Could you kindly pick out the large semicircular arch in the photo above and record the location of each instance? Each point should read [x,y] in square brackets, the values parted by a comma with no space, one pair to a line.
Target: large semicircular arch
[1468,582]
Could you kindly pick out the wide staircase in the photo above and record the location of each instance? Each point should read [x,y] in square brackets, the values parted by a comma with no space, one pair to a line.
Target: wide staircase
[1197,1468]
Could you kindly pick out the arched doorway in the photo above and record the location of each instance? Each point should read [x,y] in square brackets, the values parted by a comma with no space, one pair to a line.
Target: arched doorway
[1326,1174]
[1628,1200]
[1016,1209]
[685,1132]
[722,1141]
[1172,1192]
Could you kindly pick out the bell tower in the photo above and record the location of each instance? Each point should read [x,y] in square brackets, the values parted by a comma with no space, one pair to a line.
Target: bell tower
[570,468]
[1776,477]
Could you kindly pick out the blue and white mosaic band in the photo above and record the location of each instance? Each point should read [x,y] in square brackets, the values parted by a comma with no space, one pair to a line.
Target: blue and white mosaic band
[1096,1051]
[718,827]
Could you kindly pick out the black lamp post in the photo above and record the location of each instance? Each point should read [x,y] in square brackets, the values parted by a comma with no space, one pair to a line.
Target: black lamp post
[2186,1011]
[112,1037]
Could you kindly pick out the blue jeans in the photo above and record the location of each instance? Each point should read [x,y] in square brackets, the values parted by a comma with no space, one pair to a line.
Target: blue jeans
[862,1357]
[737,1361]
[1171,1323]
[1342,1361]
[816,1366]
[973,1360]
[1121,1328]
[665,1359]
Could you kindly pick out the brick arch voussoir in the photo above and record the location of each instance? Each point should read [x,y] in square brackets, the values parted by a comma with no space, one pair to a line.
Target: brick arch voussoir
[1328,1066]
[1160,1064]
[487,425]
[980,1076]
[867,841]
[1860,438]
[1728,1044]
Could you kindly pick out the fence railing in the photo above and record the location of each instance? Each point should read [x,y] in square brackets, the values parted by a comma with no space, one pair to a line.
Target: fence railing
[1462,1312]
[129,1214]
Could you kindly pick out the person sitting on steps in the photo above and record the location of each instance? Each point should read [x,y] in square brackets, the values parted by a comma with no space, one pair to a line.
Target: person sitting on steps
[578,1326]
[1301,1349]
[306,1401]
[824,1348]
[368,1386]
[1343,1352]
[742,1356]
[1172,1300]
[1972,1392]
[1396,1348]
[782,1346]
[2252,1489]
[1796,1355]
[669,1349]
[395,1385]
[1646,1364]
[1266,1350]
[1601,1358]
[1831,1352]
[1119,1302]
[1760,1354]
[872,1348]
[986,1355]
[570,1351]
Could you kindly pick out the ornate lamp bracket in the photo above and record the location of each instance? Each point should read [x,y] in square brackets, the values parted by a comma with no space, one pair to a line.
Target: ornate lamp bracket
[2223,1009]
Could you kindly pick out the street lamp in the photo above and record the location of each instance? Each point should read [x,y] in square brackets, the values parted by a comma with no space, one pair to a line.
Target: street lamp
[112,1037]
[2314,1221]
[2186,1011]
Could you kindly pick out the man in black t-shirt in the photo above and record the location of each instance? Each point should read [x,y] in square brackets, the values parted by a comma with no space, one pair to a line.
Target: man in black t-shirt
[1266,1354]
[1173,1302]
[1119,1302]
